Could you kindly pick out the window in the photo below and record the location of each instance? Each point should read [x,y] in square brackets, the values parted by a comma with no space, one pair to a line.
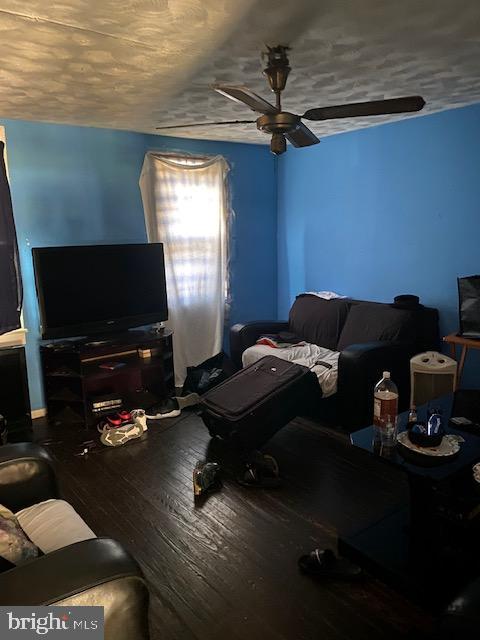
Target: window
[186,207]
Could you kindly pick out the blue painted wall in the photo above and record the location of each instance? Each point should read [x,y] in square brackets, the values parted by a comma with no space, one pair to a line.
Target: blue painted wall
[390,209]
[76,185]
[371,213]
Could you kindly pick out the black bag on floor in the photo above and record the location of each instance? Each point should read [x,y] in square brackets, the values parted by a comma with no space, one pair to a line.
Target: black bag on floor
[208,374]
[253,404]
[469,306]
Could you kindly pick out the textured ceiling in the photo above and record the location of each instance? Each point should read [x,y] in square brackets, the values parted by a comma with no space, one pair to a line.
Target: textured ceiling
[139,64]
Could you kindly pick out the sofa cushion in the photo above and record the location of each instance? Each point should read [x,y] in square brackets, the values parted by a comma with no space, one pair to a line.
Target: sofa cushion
[318,321]
[369,322]
[53,524]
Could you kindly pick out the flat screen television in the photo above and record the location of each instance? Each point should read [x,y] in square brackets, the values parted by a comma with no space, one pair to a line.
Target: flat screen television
[86,290]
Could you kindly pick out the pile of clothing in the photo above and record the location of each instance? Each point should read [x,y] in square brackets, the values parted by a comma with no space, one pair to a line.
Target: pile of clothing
[323,362]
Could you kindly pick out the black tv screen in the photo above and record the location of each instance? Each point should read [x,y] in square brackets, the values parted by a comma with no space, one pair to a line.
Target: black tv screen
[85,290]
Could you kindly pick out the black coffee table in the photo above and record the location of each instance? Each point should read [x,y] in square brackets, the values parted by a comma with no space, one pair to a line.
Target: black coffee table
[429,548]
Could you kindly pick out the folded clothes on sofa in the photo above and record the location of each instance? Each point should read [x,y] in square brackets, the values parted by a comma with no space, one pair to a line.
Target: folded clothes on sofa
[284,339]
[326,295]
[323,362]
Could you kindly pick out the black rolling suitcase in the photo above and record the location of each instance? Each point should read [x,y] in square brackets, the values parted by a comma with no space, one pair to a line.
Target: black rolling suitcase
[253,404]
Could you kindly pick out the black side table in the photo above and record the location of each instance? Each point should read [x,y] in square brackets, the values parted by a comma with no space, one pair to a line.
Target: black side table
[429,549]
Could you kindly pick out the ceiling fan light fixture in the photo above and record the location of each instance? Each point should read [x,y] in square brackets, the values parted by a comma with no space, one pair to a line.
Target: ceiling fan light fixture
[278,144]
[277,77]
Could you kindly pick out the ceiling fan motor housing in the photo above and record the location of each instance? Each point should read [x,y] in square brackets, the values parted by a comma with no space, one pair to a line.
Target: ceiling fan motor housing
[282,122]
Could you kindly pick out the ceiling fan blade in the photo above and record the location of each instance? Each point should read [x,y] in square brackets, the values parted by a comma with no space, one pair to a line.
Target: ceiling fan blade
[374,108]
[245,96]
[205,124]
[302,137]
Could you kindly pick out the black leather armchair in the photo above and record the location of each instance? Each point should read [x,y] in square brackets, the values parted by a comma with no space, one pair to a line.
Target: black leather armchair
[26,475]
[461,619]
[93,572]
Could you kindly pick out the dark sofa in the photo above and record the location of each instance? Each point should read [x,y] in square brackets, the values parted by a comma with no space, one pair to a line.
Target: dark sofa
[371,337]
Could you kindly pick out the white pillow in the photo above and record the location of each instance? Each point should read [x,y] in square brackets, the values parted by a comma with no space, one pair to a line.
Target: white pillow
[53,524]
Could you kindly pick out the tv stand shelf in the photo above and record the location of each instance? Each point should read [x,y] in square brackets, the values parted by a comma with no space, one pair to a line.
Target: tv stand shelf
[78,373]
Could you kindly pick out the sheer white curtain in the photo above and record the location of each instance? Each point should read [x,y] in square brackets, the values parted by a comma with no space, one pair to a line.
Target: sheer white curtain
[186,207]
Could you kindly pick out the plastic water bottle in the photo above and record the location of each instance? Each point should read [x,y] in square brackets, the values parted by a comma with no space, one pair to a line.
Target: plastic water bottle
[385,400]
[412,417]
[388,433]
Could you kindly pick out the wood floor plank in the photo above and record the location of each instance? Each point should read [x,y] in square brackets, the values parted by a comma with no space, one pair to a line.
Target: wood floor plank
[227,567]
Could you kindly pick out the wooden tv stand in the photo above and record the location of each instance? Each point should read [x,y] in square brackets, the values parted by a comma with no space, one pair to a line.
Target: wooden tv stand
[79,373]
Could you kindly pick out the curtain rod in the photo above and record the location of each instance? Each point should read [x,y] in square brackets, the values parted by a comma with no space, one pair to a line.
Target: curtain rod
[180,154]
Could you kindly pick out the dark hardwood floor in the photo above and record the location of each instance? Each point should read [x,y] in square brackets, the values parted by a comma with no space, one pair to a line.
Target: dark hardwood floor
[227,568]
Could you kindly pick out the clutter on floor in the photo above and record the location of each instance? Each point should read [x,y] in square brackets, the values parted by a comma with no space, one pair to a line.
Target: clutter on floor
[261,470]
[173,406]
[257,469]
[208,374]
[205,477]
[119,428]
[112,436]
[323,563]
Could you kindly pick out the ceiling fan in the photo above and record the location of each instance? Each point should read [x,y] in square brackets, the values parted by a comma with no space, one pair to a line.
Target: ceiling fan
[288,126]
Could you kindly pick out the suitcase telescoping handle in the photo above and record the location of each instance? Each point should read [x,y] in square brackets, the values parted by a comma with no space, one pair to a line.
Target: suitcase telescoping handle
[321,363]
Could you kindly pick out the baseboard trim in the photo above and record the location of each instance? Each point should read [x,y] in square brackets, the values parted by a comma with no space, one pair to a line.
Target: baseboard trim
[39,413]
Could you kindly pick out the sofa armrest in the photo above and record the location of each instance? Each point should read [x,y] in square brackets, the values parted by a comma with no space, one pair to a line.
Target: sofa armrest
[96,572]
[66,572]
[26,475]
[360,367]
[243,336]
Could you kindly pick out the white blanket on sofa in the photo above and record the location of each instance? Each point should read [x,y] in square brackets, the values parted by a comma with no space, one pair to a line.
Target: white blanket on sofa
[309,355]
